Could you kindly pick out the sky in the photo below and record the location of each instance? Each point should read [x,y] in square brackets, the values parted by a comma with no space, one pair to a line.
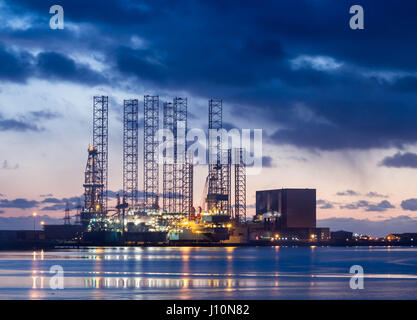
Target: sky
[337,106]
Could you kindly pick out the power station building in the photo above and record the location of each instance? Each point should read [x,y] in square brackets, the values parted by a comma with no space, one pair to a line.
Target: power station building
[296,208]
[289,214]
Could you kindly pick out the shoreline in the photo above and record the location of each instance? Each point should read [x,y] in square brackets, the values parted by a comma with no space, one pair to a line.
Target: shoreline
[56,246]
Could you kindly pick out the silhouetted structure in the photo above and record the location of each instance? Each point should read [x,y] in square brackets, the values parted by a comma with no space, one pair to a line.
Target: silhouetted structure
[130,151]
[292,208]
[150,145]
[101,143]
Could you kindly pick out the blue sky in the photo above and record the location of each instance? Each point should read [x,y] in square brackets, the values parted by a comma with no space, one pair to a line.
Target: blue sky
[337,106]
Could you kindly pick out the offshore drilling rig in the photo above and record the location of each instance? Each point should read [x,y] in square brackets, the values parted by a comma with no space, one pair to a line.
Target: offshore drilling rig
[141,218]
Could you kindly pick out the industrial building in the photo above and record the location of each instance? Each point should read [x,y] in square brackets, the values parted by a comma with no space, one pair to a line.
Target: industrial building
[293,208]
[62,231]
[341,235]
[287,214]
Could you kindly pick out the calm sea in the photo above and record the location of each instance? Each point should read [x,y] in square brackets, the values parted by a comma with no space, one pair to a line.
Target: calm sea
[210,273]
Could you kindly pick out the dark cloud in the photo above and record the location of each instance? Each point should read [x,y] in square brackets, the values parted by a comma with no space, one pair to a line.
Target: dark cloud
[1,211]
[373,194]
[27,122]
[400,160]
[43,115]
[19,203]
[18,125]
[54,65]
[381,228]
[267,162]
[407,83]
[256,59]
[112,12]
[113,194]
[55,207]
[323,204]
[46,195]
[19,66]
[60,204]
[372,207]
[348,193]
[409,204]
[48,204]
[355,205]
[52,200]
[380,207]
[15,66]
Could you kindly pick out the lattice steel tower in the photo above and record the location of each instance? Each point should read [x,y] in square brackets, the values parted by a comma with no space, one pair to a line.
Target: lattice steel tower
[130,151]
[168,166]
[93,191]
[240,185]
[100,142]
[67,217]
[183,167]
[188,187]
[151,177]
[219,187]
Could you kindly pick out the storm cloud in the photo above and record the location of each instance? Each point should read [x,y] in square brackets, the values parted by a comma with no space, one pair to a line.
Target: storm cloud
[348,193]
[19,203]
[409,204]
[253,59]
[323,204]
[372,207]
[400,160]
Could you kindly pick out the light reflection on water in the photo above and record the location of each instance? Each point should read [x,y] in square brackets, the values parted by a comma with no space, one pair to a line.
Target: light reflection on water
[136,283]
[210,273]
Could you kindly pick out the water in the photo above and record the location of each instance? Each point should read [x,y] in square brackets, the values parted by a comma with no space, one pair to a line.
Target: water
[210,273]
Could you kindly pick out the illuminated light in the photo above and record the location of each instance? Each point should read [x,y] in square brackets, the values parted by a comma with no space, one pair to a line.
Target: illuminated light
[229,225]
[277,235]
[34,214]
